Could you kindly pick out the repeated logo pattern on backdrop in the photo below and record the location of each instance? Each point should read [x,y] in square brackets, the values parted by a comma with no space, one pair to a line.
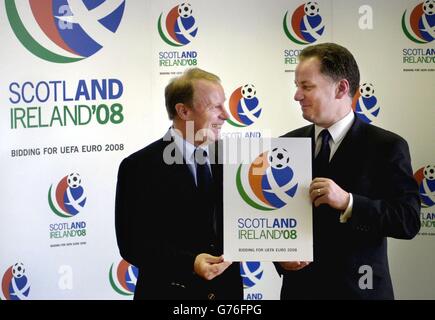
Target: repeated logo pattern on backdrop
[418,23]
[123,278]
[365,103]
[95,105]
[270,181]
[179,27]
[426,180]
[76,29]
[251,273]
[15,284]
[244,106]
[305,25]
[68,197]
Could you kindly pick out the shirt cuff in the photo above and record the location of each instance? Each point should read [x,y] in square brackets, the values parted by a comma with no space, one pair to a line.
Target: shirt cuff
[348,212]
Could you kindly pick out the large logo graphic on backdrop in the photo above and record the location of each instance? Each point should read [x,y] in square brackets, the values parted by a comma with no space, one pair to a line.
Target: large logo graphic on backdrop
[123,278]
[269,184]
[179,27]
[15,284]
[365,103]
[68,197]
[418,23]
[305,25]
[245,108]
[426,180]
[251,273]
[64,31]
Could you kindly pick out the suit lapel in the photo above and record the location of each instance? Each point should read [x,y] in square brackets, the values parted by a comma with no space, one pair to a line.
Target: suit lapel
[349,146]
[308,132]
[178,171]
[215,151]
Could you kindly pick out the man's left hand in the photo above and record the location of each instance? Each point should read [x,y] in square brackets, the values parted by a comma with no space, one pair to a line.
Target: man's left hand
[326,191]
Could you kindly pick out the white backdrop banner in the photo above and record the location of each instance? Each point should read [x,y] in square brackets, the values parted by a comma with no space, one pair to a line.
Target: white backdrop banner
[81,87]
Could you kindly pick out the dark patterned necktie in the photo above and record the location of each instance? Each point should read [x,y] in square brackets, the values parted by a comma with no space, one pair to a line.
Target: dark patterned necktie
[204,180]
[204,183]
[321,163]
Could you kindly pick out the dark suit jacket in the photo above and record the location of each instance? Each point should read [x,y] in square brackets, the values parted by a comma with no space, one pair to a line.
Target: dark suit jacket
[375,166]
[162,224]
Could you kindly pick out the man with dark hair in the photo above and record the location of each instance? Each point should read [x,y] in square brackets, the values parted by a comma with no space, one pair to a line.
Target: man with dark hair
[169,212]
[363,189]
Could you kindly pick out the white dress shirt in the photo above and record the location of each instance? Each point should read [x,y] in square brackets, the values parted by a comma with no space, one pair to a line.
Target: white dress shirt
[338,131]
[188,151]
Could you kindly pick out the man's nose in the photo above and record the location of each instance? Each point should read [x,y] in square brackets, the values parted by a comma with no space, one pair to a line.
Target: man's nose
[224,114]
[298,95]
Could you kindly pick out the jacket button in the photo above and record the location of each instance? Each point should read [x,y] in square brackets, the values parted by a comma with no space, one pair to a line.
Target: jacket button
[211,296]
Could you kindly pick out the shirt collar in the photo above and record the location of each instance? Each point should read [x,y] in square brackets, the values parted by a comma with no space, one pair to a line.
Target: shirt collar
[186,148]
[338,130]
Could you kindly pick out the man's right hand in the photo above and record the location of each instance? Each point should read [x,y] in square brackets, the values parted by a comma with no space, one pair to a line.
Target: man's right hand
[208,267]
[294,265]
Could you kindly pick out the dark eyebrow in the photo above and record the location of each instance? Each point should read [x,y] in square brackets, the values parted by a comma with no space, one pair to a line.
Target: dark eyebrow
[305,82]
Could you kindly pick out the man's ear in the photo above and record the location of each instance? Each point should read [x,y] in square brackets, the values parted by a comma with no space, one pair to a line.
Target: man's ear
[342,89]
[183,111]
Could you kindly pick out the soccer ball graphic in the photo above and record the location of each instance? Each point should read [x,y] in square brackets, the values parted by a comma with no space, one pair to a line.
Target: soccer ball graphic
[279,158]
[74,180]
[248,91]
[311,9]
[18,270]
[429,172]
[429,7]
[367,90]
[185,10]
